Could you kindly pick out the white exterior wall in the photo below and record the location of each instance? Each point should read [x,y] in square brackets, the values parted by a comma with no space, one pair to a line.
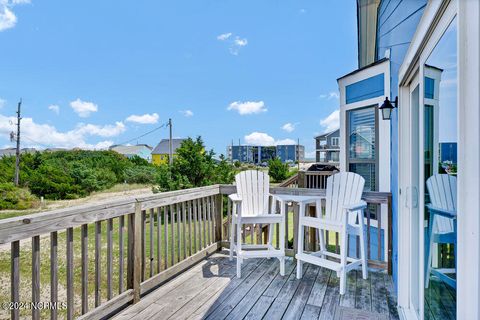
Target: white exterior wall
[383,126]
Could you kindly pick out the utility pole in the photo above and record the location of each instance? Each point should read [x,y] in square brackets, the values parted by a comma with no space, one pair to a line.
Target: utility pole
[170,147]
[17,160]
[298,153]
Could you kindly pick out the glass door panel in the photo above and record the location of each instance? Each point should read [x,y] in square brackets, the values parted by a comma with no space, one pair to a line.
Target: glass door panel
[439,178]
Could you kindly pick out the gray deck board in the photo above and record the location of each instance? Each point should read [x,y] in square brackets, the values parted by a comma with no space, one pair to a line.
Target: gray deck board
[300,298]
[211,290]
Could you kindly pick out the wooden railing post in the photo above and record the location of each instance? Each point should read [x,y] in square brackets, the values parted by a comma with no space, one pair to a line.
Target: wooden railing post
[218,219]
[302,183]
[134,264]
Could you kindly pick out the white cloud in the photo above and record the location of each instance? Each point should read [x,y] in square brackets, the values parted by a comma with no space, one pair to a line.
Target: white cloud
[83,108]
[187,113]
[45,135]
[101,131]
[259,138]
[289,127]
[332,122]
[8,19]
[248,107]
[143,119]
[285,141]
[55,108]
[302,11]
[329,96]
[235,43]
[224,36]
[2,103]
[263,139]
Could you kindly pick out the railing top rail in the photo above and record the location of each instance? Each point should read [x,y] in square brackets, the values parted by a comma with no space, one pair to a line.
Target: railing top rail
[375,197]
[23,227]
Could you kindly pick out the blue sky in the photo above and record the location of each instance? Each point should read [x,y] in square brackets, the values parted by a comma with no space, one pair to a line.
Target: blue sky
[92,73]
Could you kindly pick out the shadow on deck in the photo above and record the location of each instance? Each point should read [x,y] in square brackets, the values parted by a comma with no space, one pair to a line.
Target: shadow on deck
[210,290]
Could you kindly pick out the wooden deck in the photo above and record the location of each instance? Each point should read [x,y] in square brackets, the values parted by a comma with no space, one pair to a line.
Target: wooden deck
[210,290]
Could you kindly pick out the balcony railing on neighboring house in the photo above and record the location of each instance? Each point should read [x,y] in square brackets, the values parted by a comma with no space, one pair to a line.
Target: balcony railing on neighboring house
[99,258]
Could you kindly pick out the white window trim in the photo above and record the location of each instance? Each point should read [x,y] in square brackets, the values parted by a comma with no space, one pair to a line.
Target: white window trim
[439,14]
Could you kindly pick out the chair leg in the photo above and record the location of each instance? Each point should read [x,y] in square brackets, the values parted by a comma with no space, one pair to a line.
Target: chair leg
[232,237]
[301,236]
[271,227]
[363,255]
[282,266]
[281,242]
[428,253]
[343,259]
[320,232]
[239,247]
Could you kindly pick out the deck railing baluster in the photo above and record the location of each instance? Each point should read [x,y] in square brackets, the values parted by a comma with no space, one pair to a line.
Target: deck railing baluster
[84,244]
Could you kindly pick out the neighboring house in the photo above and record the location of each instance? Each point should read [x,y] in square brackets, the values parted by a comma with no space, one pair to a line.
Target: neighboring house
[143,151]
[262,154]
[160,155]
[328,148]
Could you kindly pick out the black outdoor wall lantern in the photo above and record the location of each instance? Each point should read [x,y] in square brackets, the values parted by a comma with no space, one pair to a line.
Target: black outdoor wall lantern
[387,108]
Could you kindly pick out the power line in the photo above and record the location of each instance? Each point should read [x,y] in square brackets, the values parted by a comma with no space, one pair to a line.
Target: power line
[145,134]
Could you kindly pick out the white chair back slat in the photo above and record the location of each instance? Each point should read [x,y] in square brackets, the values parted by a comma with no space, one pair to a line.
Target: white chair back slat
[442,189]
[343,188]
[253,187]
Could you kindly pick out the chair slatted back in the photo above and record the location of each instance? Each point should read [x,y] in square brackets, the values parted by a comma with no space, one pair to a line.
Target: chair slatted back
[442,189]
[253,187]
[343,188]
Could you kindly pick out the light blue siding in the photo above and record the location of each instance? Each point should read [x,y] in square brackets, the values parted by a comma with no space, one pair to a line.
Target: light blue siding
[365,89]
[397,22]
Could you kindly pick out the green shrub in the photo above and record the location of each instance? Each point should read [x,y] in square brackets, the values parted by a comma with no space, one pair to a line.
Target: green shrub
[277,170]
[141,174]
[15,198]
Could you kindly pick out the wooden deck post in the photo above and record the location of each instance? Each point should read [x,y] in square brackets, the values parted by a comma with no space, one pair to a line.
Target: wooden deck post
[301,179]
[218,219]
[134,264]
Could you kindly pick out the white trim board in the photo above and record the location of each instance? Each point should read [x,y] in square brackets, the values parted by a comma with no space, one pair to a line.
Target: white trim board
[436,18]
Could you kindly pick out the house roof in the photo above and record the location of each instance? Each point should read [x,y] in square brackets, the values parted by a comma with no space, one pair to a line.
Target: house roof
[326,134]
[130,149]
[363,68]
[163,146]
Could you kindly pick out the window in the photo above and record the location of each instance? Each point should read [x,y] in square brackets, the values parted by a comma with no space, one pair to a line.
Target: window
[361,149]
[335,156]
[429,87]
[335,141]
[369,88]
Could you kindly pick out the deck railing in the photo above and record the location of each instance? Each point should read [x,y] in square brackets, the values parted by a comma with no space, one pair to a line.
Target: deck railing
[308,179]
[88,261]
[99,258]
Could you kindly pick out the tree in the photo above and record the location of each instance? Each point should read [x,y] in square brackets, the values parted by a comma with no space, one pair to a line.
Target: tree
[192,167]
[277,170]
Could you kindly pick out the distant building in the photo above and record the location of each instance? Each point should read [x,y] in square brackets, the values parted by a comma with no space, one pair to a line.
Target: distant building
[448,152]
[328,148]
[11,151]
[160,154]
[140,150]
[262,154]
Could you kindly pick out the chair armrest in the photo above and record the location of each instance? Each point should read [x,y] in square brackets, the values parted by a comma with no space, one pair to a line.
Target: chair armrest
[357,206]
[441,212]
[235,197]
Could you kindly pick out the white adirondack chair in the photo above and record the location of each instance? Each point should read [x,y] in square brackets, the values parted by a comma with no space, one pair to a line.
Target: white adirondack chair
[344,214]
[251,206]
[442,226]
